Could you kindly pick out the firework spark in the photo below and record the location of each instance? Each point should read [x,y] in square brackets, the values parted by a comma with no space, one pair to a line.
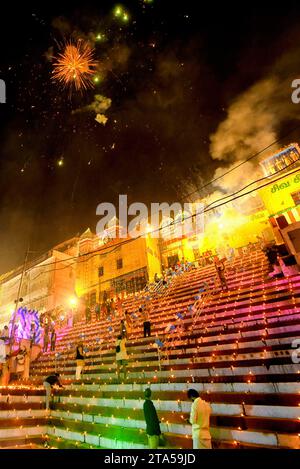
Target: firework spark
[75,66]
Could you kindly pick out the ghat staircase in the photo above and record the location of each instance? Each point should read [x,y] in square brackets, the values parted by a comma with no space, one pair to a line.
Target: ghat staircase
[238,350]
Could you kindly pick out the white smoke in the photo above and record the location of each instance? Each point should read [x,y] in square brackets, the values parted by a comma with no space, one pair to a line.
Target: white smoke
[250,124]
[99,106]
[253,122]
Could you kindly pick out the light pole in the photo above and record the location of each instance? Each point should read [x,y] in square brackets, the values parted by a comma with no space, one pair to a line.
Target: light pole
[17,301]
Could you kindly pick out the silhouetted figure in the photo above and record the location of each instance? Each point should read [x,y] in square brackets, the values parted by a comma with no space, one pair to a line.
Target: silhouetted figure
[152,422]
[88,314]
[53,340]
[121,356]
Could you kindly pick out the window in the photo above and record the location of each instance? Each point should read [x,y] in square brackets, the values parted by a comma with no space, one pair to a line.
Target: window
[130,286]
[140,282]
[100,271]
[118,285]
[172,260]
[296,197]
[281,160]
[119,263]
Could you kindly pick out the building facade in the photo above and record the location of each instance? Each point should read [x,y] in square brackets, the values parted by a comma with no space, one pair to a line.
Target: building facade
[95,267]
[281,197]
[117,267]
[43,284]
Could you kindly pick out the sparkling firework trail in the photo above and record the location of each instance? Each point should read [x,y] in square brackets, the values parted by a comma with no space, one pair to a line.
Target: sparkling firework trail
[75,66]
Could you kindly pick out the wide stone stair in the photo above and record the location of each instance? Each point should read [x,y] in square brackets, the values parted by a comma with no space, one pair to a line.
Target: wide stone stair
[238,351]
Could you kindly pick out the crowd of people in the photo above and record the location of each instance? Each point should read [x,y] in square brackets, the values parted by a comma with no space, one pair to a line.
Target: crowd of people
[50,336]
[12,360]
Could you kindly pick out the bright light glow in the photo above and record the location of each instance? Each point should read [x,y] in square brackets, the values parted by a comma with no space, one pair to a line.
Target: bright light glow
[118,10]
[149,228]
[74,65]
[121,13]
[73,301]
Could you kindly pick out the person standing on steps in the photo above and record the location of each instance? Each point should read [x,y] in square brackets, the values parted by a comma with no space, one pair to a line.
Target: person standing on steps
[53,340]
[128,324]
[5,334]
[79,357]
[147,323]
[119,307]
[108,308]
[121,356]
[46,338]
[123,329]
[220,268]
[88,314]
[49,382]
[97,311]
[152,422]
[20,361]
[199,419]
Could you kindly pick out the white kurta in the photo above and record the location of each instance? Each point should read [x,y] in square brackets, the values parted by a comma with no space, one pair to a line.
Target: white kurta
[199,418]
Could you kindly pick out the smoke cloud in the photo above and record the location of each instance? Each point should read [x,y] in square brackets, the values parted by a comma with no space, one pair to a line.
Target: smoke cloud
[99,106]
[254,121]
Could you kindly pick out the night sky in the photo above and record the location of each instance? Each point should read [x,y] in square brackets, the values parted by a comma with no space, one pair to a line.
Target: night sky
[171,71]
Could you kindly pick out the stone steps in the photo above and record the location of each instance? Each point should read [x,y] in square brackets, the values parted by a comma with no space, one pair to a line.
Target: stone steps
[237,352]
[30,442]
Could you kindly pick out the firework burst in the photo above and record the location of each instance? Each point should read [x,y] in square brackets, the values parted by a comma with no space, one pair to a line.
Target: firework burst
[75,66]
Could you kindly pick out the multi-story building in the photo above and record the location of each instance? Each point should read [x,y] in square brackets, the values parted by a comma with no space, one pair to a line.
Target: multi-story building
[119,266]
[43,284]
[281,197]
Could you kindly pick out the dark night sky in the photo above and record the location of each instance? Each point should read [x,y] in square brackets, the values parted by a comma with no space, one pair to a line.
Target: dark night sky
[166,101]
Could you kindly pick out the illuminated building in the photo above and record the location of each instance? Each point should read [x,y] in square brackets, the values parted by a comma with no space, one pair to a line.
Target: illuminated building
[281,197]
[282,160]
[115,266]
[47,283]
[261,214]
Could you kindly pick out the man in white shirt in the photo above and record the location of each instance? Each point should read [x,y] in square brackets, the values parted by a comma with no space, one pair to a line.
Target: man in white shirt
[199,419]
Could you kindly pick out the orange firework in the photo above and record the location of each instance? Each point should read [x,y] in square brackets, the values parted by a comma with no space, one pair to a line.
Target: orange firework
[75,65]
